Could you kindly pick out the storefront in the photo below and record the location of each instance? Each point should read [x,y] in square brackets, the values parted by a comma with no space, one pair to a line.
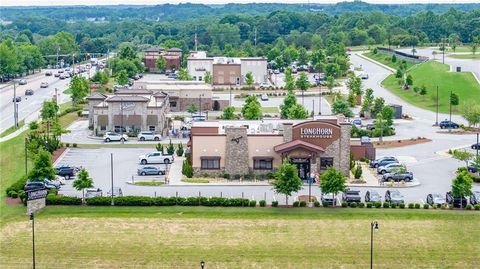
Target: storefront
[246,147]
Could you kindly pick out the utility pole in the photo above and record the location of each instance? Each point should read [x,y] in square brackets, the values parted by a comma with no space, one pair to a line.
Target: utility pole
[15,107]
[255,38]
[111,172]
[436,117]
[56,95]
[32,218]
[58,50]
[313,109]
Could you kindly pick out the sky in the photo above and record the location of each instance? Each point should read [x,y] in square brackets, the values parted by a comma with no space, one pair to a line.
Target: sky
[155,2]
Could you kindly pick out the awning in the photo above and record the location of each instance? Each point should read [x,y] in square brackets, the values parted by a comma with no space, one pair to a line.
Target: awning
[297,144]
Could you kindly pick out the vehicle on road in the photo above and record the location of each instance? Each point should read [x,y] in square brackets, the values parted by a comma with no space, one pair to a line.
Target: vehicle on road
[373,196]
[44,85]
[364,76]
[394,196]
[34,185]
[476,146]
[144,136]
[22,82]
[17,99]
[57,75]
[66,171]
[435,199]
[357,122]
[93,192]
[111,136]
[264,97]
[50,184]
[446,124]
[383,161]
[28,92]
[389,168]
[398,176]
[60,71]
[265,85]
[156,157]
[62,76]
[350,196]
[117,192]
[48,73]
[150,170]
[328,198]
[67,75]
[475,198]
[455,201]
[276,71]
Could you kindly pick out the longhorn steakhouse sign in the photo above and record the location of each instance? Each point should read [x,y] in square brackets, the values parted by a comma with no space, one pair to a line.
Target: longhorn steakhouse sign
[319,133]
[36,200]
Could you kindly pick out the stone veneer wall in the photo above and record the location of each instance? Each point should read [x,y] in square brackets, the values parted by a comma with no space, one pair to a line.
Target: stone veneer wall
[345,148]
[287,132]
[236,154]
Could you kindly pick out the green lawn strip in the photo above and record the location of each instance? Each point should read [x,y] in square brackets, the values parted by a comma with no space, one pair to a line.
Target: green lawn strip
[386,59]
[195,180]
[119,145]
[149,183]
[432,74]
[12,129]
[266,109]
[464,56]
[68,91]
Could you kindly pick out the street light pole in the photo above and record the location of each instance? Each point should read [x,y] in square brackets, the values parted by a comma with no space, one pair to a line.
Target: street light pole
[373,226]
[313,109]
[111,172]
[450,99]
[320,99]
[32,218]
[436,117]
[15,113]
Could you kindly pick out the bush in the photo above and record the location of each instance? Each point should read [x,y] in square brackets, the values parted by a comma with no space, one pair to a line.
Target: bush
[443,206]
[434,206]
[386,205]
[344,204]
[469,207]
[99,201]
[369,204]
[296,204]
[378,204]
[74,145]
[187,169]
[393,205]
[477,207]
[23,197]
[180,150]
[262,203]
[170,148]
[303,203]
[67,145]
[274,203]
[401,205]
[316,204]
[226,176]
[426,206]
[17,185]
[358,172]
[411,205]
[361,205]
[62,200]
[325,204]
[353,204]
[417,206]
[13,194]
[252,203]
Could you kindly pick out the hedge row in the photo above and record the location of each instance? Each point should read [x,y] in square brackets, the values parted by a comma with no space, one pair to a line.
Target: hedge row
[170,201]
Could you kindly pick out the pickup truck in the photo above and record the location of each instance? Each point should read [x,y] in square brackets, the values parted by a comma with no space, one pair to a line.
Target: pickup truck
[350,196]
[155,157]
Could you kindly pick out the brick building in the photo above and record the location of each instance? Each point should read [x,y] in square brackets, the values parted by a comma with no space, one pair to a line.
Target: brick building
[172,56]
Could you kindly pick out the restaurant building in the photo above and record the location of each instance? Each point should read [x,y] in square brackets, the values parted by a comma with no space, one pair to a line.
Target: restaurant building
[243,147]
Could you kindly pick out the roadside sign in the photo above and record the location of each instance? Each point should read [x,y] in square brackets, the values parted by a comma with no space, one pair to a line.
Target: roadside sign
[36,194]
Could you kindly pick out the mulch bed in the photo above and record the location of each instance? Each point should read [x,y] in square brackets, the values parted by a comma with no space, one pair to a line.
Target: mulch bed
[13,201]
[400,143]
[57,153]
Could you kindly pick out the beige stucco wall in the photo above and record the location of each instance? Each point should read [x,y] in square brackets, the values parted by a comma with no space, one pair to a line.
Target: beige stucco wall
[208,146]
[262,146]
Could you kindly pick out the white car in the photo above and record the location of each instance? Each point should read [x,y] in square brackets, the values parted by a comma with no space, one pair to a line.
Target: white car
[111,136]
[264,97]
[265,85]
[155,157]
[144,136]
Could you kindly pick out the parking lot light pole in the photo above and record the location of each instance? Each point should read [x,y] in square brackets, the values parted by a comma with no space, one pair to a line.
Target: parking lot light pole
[373,226]
[26,168]
[111,172]
[32,218]
[202,264]
[320,100]
[436,117]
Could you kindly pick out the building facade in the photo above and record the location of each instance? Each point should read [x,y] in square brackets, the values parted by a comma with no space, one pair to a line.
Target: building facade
[172,56]
[243,147]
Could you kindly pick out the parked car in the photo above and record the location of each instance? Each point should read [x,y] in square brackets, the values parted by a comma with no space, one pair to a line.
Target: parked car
[57,75]
[150,170]
[364,76]
[143,136]
[93,192]
[156,157]
[34,185]
[446,124]
[48,73]
[276,71]
[455,201]
[60,71]
[383,161]
[17,99]
[475,198]
[44,85]
[389,168]
[264,97]
[66,75]
[50,184]
[357,122]
[476,146]
[28,92]
[373,196]
[394,196]
[398,176]
[117,192]
[265,85]
[111,136]
[22,82]
[66,171]
[173,75]
[435,199]
[328,198]
[350,196]
[136,77]
[472,167]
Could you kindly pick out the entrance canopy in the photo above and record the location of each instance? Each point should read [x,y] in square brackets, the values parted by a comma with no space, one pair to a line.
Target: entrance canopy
[297,144]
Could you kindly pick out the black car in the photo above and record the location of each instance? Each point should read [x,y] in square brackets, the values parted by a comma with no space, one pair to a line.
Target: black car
[48,73]
[472,167]
[476,146]
[350,196]
[17,99]
[34,185]
[383,161]
[448,124]
[29,92]
[372,196]
[394,196]
[56,75]
[475,198]
[456,201]
[66,171]
[435,199]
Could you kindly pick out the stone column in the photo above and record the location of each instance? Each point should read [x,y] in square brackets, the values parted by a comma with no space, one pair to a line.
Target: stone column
[236,151]
[287,132]
[344,147]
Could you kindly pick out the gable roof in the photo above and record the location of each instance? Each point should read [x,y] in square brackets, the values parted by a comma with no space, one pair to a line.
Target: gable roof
[97,96]
[129,98]
[289,146]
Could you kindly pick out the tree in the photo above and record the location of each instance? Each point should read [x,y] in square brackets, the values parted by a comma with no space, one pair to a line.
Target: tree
[367,101]
[192,109]
[161,64]
[251,110]
[83,181]
[332,181]
[42,167]
[207,77]
[187,169]
[249,78]
[398,74]
[183,74]
[228,113]
[462,185]
[100,77]
[354,84]
[330,83]
[342,107]
[297,111]
[409,81]
[122,78]
[351,99]
[48,113]
[288,102]
[394,58]
[289,80]
[462,155]
[384,121]
[287,180]
[414,51]
[471,112]
[454,99]
[302,83]
[423,90]
[303,57]
[378,104]
[79,88]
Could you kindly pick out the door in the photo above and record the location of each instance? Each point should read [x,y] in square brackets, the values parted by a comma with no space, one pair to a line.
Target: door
[155,157]
[303,167]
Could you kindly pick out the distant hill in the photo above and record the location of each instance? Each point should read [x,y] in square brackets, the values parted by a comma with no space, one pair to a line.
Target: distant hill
[191,11]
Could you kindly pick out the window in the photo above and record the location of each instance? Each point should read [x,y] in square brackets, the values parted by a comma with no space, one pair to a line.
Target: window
[210,162]
[194,77]
[103,128]
[262,164]
[325,162]
[173,104]
[200,78]
[151,128]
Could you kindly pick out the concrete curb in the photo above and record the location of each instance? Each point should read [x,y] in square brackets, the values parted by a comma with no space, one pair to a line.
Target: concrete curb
[61,156]
[262,185]
[377,63]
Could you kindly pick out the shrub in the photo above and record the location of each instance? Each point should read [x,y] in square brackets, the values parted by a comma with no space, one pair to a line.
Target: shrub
[252,203]
[325,204]
[99,201]
[411,205]
[344,204]
[187,169]
[74,145]
[180,150]
[316,204]
[369,205]
[386,205]
[434,206]
[133,201]
[378,204]
[477,207]
[296,204]
[262,203]
[417,206]
[17,185]
[13,194]
[361,205]
[358,172]
[170,148]
[393,205]
[469,207]
[67,145]
[226,176]
[62,200]
[401,205]
[443,206]
[303,203]
[23,197]
[274,203]
[426,206]
[353,204]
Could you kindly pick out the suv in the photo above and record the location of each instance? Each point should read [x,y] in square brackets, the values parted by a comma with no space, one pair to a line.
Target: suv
[48,73]
[456,201]
[66,171]
[394,196]
[22,82]
[448,124]
[150,170]
[475,198]
[389,168]
[156,157]
[328,199]
[398,176]
[373,196]
[142,136]
[435,199]
[351,196]
[51,184]
[34,185]
[476,146]
[383,161]
[28,92]
[111,136]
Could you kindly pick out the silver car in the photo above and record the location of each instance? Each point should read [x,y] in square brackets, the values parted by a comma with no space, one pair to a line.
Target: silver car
[150,170]
[144,136]
[389,168]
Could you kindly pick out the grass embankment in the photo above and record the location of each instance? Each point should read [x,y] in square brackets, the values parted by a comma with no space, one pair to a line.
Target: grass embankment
[180,237]
[432,74]
[464,56]
[12,129]
[386,59]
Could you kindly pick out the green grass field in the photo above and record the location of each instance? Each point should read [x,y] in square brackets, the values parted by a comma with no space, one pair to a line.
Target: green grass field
[267,109]
[180,237]
[12,129]
[432,74]
[386,59]
[465,56]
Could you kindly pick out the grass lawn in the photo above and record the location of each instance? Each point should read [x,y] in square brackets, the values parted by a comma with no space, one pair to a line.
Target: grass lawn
[180,237]
[149,183]
[386,59]
[12,129]
[464,56]
[195,180]
[265,109]
[432,74]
